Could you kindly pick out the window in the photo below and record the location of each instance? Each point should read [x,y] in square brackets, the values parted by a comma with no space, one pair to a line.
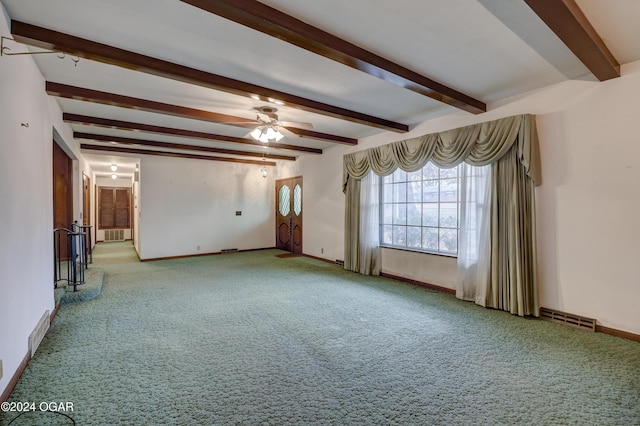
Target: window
[420,210]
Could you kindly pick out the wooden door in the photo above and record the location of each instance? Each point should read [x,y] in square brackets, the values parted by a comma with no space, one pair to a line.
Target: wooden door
[114,207]
[106,208]
[289,214]
[62,193]
[122,208]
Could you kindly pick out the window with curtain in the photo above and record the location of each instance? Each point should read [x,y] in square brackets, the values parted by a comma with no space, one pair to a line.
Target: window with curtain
[496,251]
[421,210]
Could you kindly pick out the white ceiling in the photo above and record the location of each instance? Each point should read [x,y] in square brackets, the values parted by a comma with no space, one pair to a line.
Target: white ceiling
[487,49]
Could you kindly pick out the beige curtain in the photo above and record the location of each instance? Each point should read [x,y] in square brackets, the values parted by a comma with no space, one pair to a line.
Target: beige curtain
[510,145]
[513,280]
[352,225]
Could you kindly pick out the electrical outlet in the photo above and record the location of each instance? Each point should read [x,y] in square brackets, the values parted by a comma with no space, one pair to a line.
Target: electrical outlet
[0,369]
[198,248]
[322,250]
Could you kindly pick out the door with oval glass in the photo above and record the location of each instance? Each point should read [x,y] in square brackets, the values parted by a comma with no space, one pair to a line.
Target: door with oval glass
[289,214]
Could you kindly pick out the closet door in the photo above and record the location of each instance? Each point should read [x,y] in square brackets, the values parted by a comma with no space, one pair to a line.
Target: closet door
[114,207]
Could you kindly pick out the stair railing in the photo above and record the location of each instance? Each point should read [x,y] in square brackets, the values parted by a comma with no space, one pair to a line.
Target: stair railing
[88,243]
[70,256]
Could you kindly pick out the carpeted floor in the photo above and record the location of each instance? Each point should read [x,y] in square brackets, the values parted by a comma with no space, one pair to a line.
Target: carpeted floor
[253,339]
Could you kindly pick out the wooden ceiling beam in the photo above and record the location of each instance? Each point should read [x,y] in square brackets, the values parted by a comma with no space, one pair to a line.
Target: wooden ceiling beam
[173,154]
[113,99]
[565,18]
[57,41]
[160,130]
[170,145]
[267,20]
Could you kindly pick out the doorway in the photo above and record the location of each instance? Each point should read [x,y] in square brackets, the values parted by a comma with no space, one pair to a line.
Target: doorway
[289,214]
[62,193]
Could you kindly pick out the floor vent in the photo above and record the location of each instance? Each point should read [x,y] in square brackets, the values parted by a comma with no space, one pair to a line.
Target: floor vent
[225,251]
[114,235]
[38,333]
[339,262]
[568,319]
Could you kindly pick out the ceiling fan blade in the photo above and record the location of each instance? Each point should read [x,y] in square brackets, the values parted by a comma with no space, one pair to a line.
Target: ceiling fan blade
[248,136]
[252,122]
[264,117]
[287,133]
[297,124]
[241,123]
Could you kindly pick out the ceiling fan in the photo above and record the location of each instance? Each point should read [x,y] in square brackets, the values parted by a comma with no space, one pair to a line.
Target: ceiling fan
[270,128]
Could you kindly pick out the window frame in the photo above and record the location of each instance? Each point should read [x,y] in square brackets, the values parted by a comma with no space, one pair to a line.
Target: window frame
[394,202]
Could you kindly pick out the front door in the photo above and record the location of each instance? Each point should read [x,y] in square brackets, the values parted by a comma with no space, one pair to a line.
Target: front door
[289,214]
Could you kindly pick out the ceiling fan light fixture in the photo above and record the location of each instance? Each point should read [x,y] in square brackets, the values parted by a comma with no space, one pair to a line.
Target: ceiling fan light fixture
[278,135]
[270,133]
[263,137]
[266,134]
[256,133]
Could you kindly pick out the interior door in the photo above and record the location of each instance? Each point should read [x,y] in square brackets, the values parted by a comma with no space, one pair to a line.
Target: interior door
[114,207]
[289,214]
[62,193]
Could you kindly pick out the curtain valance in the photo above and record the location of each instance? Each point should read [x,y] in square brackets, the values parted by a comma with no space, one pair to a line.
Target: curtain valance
[477,144]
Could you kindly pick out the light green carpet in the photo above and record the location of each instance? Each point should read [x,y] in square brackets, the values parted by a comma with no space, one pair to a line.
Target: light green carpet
[253,339]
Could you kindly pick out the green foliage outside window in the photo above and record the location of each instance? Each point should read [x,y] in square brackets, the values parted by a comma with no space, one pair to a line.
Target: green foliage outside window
[420,210]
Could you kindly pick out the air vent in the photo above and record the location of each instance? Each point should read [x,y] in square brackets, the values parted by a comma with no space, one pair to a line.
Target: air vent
[571,320]
[232,250]
[38,333]
[339,262]
[114,235]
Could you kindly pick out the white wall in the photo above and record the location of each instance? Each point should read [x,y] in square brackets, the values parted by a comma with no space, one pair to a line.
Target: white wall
[83,167]
[189,203]
[114,183]
[26,209]
[589,233]
[323,204]
[587,207]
